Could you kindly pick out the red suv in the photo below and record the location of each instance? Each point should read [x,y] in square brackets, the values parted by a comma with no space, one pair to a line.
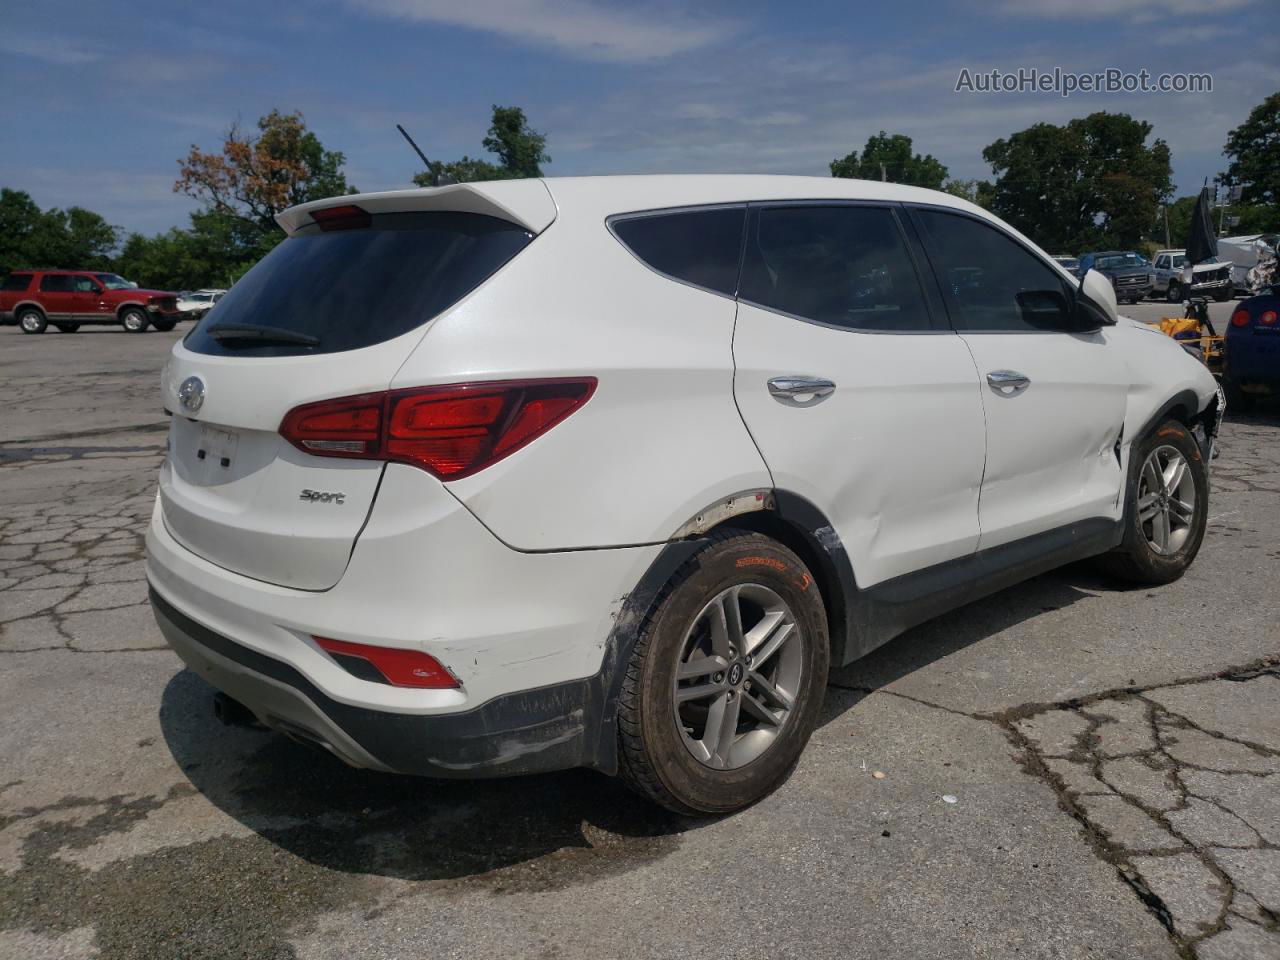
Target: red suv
[67,298]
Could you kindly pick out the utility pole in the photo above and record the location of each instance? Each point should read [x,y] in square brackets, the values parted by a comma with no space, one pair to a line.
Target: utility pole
[1167,242]
[884,177]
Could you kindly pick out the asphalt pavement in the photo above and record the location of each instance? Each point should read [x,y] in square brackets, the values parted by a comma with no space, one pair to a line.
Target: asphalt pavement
[1068,769]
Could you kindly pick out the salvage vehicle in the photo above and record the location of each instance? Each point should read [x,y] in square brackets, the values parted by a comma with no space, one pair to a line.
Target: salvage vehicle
[1212,278]
[65,299]
[196,303]
[498,478]
[1253,349]
[1130,274]
[1069,264]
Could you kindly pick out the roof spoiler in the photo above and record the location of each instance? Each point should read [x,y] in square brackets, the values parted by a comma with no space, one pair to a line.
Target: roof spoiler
[524,202]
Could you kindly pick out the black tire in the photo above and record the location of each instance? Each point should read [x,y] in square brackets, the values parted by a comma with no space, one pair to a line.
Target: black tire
[1222,295]
[1137,560]
[31,320]
[1174,294]
[134,320]
[654,758]
[164,326]
[67,327]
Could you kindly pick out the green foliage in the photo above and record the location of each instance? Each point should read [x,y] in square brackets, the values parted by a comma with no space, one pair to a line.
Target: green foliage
[1253,149]
[215,251]
[975,191]
[890,158]
[521,152]
[1092,184]
[31,237]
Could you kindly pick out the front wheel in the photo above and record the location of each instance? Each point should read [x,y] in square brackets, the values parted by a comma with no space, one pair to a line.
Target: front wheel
[164,326]
[67,327]
[1166,508]
[134,320]
[726,678]
[1222,295]
[1174,294]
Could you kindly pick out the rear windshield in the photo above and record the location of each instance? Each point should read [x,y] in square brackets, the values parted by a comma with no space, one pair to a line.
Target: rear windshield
[348,289]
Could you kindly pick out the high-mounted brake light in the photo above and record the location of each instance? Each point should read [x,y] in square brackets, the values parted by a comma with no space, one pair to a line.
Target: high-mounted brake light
[345,217]
[1240,318]
[1268,317]
[450,431]
[401,668]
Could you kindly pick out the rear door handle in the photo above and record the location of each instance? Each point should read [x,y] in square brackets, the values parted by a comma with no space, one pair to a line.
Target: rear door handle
[800,391]
[1008,382]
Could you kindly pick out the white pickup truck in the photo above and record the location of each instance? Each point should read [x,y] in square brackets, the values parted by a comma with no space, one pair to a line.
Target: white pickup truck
[1209,279]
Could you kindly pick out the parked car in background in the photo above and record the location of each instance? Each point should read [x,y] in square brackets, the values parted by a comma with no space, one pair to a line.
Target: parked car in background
[196,303]
[1130,274]
[1069,264]
[1247,254]
[1211,278]
[65,299]
[420,508]
[1253,350]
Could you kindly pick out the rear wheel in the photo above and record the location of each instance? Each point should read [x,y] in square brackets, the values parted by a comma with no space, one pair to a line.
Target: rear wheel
[1166,507]
[726,678]
[67,327]
[134,320]
[1174,294]
[32,321]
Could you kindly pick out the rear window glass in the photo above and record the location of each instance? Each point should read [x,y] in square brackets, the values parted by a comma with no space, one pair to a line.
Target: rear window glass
[701,247]
[16,281]
[348,289]
[846,266]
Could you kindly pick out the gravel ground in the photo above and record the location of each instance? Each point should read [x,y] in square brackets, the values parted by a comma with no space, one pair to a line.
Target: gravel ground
[1070,770]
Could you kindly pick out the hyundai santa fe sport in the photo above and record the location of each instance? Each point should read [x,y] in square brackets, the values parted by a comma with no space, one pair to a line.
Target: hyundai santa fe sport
[498,478]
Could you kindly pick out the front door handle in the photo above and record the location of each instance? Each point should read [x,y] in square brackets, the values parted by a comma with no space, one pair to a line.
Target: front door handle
[1008,382]
[800,391]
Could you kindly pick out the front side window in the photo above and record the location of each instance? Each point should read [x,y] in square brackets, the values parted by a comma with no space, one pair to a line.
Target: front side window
[987,273]
[847,266]
[701,247]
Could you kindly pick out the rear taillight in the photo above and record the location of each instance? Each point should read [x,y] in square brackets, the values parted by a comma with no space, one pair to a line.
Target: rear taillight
[399,668]
[1269,318]
[1240,318]
[450,431]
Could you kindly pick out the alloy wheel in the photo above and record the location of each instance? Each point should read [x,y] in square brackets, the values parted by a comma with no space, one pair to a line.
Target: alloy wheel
[739,671]
[1166,500]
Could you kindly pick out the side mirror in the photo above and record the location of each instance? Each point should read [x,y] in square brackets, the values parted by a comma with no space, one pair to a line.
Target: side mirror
[1096,301]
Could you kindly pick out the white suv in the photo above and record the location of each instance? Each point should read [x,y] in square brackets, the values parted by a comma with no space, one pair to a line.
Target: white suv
[508,477]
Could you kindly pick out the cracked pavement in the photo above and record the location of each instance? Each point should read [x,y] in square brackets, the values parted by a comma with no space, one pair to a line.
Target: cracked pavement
[1113,757]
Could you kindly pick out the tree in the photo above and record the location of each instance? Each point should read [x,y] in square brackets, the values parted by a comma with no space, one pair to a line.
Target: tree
[1091,184]
[71,238]
[215,251]
[1253,149]
[890,158]
[521,152]
[253,178]
[975,191]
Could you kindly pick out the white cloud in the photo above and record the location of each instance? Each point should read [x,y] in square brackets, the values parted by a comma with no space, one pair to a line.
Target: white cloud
[62,52]
[579,28]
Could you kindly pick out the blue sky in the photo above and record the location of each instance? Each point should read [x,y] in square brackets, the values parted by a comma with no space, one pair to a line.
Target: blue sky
[103,99]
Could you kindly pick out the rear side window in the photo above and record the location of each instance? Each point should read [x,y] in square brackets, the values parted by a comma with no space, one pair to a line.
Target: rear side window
[846,266]
[701,247]
[352,288]
[984,271]
[16,281]
[56,283]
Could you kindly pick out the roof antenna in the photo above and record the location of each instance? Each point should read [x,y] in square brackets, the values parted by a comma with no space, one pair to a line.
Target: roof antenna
[440,179]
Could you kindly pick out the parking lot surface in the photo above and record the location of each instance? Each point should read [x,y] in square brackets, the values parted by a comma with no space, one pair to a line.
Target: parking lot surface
[1066,769]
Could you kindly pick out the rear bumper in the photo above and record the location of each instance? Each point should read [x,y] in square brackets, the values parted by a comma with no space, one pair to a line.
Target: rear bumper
[552,728]
[525,634]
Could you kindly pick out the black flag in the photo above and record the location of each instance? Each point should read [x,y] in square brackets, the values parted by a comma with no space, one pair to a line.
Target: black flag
[1202,244]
